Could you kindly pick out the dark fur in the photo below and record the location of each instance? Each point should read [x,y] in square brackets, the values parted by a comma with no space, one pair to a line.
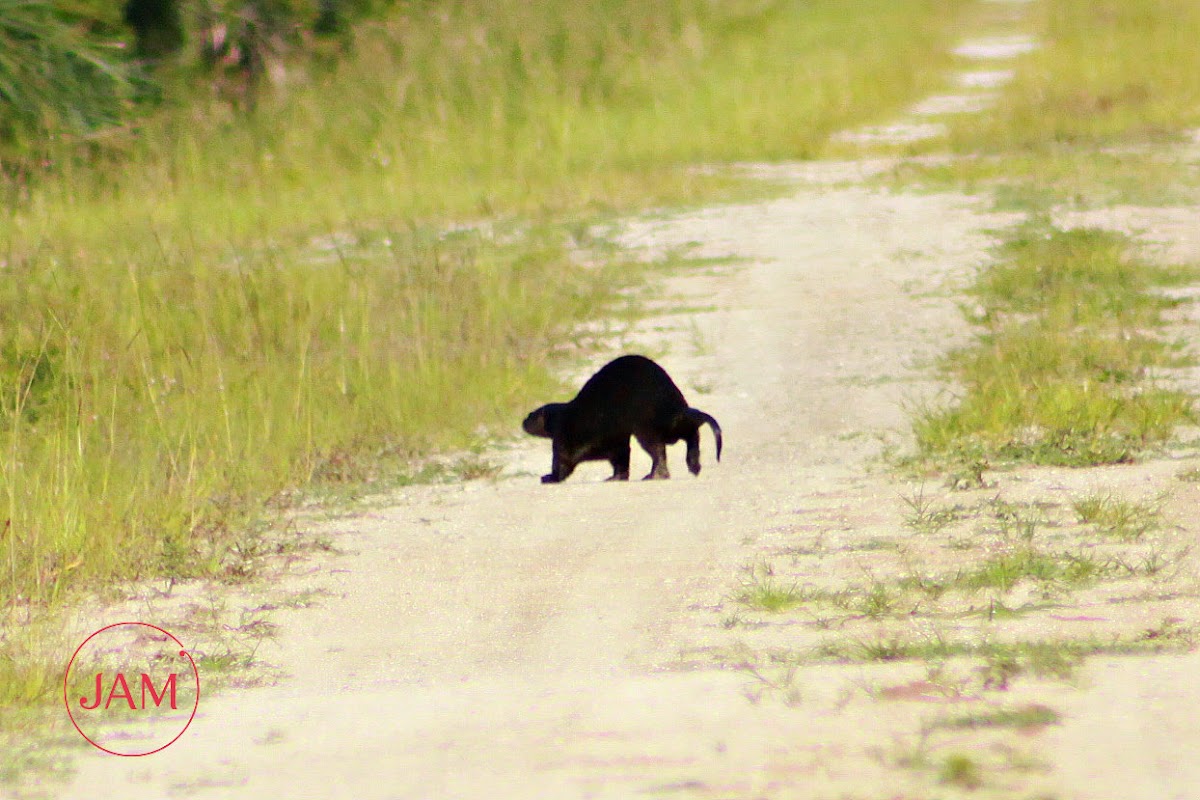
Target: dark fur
[630,396]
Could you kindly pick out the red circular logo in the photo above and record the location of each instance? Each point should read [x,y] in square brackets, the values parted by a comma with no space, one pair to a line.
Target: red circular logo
[131,689]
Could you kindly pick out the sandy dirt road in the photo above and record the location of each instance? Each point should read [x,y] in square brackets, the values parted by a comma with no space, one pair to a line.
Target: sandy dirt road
[510,639]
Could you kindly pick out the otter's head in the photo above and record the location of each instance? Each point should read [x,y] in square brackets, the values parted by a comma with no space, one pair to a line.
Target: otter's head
[544,421]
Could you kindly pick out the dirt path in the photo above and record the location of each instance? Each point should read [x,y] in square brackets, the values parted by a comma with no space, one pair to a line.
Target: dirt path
[518,640]
[511,640]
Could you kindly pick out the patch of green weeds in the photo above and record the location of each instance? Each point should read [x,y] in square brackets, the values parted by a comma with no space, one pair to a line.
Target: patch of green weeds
[1057,174]
[885,647]
[879,601]
[1151,562]
[1015,522]
[1171,631]
[1089,116]
[925,516]
[1005,570]
[1111,72]
[766,594]
[1070,320]
[1075,277]
[1002,662]
[1127,520]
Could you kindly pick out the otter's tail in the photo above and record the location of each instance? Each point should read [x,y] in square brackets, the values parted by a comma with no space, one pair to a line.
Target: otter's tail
[698,418]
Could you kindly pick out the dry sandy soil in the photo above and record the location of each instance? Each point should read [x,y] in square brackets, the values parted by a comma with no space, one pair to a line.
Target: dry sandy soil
[505,639]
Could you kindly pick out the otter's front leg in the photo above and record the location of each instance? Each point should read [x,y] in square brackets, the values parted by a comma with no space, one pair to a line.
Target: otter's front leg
[561,466]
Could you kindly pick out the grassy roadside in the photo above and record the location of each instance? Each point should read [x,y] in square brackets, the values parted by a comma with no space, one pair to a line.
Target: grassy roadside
[1072,332]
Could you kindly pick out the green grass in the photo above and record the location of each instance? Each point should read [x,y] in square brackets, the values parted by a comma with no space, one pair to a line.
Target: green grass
[1002,662]
[492,108]
[55,78]
[142,429]
[1005,570]
[1077,277]
[1060,372]
[924,518]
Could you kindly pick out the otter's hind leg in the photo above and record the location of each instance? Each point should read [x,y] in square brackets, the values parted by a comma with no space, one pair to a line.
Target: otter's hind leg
[619,458]
[658,458]
[693,450]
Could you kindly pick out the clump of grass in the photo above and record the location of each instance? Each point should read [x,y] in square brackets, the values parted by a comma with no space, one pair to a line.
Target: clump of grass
[474,467]
[1041,658]
[1059,373]
[1115,516]
[879,601]
[29,674]
[960,769]
[54,78]
[1005,570]
[924,517]
[1190,475]
[884,648]
[766,594]
[1076,277]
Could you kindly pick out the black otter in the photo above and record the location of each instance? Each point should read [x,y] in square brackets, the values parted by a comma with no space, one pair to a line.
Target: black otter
[630,396]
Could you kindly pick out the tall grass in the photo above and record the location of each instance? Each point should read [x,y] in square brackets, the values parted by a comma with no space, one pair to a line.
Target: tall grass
[150,400]
[224,306]
[469,109]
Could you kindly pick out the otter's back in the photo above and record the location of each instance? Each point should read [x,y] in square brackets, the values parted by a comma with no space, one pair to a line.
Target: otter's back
[627,392]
